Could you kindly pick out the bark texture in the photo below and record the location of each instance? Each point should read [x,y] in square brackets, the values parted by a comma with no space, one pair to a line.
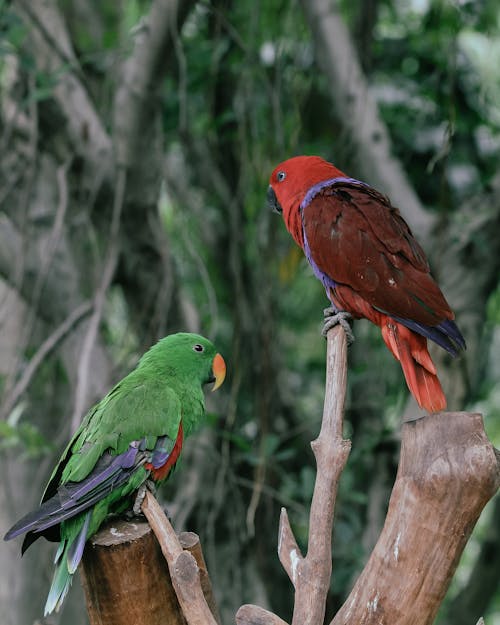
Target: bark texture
[448,471]
[126,578]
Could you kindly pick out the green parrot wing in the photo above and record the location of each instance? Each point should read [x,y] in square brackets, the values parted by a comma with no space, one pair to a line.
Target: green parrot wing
[137,408]
[55,476]
[133,429]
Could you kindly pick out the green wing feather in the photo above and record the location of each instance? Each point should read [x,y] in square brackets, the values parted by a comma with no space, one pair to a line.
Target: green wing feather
[137,407]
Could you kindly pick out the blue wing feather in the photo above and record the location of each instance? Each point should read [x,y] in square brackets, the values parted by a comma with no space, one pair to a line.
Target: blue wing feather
[110,472]
[446,334]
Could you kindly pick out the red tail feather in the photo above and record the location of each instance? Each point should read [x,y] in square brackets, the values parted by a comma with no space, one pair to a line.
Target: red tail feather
[419,370]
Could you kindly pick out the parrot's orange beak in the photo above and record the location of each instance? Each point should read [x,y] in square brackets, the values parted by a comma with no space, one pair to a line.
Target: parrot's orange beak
[219,371]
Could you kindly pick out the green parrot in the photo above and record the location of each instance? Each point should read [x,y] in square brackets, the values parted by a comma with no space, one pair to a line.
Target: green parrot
[133,435]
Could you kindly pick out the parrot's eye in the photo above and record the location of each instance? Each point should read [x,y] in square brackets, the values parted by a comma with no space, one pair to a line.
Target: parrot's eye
[198,348]
[280,176]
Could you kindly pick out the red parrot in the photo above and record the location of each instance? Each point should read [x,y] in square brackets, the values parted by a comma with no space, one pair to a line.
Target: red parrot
[370,264]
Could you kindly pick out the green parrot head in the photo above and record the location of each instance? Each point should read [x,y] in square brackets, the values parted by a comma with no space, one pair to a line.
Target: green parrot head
[187,357]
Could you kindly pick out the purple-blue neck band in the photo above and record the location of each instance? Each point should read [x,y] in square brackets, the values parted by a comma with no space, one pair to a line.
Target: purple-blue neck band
[315,189]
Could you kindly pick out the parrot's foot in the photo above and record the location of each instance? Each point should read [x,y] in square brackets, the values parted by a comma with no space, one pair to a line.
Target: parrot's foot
[141,493]
[335,317]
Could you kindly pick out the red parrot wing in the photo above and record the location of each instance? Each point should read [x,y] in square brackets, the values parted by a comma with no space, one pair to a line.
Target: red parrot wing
[358,239]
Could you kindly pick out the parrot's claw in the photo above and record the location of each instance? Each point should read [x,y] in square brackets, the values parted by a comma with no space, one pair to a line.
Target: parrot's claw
[141,493]
[334,317]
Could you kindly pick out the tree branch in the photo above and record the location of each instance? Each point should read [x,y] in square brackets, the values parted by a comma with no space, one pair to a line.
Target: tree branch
[138,141]
[108,271]
[311,574]
[58,291]
[191,542]
[53,53]
[136,95]
[182,565]
[50,343]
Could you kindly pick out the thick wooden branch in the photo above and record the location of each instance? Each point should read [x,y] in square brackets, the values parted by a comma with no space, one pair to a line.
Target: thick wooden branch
[448,471]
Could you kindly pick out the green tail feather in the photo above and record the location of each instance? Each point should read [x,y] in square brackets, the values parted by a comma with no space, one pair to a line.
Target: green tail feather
[67,559]
[59,588]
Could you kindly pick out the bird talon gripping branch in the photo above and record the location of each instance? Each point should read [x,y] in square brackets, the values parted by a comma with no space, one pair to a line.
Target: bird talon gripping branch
[141,494]
[341,318]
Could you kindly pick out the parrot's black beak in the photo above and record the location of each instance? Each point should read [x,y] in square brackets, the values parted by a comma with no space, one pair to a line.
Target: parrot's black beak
[272,200]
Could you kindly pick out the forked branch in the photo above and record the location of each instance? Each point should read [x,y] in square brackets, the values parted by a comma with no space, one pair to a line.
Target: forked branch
[448,471]
[310,574]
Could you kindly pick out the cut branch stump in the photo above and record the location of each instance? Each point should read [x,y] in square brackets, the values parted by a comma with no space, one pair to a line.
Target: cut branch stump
[249,614]
[126,579]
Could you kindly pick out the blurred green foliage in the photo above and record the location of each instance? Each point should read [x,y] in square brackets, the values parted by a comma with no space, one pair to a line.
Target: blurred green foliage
[246,93]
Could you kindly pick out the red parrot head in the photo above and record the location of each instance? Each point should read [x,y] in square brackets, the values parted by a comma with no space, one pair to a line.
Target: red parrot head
[289,184]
